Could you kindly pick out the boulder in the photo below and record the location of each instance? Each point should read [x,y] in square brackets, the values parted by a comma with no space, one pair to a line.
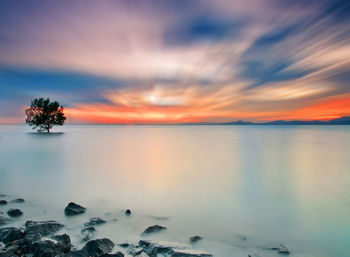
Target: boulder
[74,209]
[98,247]
[63,242]
[128,212]
[14,212]
[37,229]
[3,202]
[10,234]
[18,200]
[152,248]
[153,229]
[94,221]
[46,248]
[195,239]
[88,233]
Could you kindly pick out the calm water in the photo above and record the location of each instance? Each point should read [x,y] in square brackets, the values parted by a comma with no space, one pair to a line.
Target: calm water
[272,184]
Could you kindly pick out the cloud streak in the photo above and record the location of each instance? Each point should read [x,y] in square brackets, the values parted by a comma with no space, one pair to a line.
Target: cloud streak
[176,61]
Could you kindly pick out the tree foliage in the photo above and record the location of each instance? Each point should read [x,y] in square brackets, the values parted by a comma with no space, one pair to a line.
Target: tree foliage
[44,114]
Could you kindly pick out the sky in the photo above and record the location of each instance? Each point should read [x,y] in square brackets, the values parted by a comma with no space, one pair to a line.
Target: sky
[176,61]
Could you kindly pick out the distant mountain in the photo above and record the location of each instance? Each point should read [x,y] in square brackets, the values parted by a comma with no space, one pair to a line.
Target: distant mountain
[339,121]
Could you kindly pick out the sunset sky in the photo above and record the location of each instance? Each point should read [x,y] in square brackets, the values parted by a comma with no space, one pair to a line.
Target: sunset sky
[176,61]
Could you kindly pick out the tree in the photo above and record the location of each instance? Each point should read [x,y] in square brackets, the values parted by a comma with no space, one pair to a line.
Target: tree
[44,114]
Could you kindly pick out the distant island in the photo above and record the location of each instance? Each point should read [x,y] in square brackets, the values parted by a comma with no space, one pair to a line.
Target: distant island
[345,120]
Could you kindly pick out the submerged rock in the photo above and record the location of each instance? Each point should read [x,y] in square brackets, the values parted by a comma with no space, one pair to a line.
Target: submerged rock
[88,233]
[98,247]
[94,221]
[14,212]
[74,209]
[3,202]
[128,212]
[63,242]
[280,249]
[18,200]
[154,228]
[41,228]
[10,234]
[195,239]
[4,220]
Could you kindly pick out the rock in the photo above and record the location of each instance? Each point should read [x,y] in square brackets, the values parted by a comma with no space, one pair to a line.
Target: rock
[154,228]
[152,248]
[124,245]
[190,253]
[63,242]
[14,212]
[36,229]
[142,255]
[280,249]
[45,248]
[243,238]
[89,233]
[98,247]
[10,234]
[18,200]
[195,239]
[128,212]
[74,209]
[4,220]
[3,202]
[134,250]
[94,221]
[117,254]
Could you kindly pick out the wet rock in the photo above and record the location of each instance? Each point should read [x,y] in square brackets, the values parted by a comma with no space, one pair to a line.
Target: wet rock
[74,209]
[124,245]
[36,229]
[14,212]
[45,248]
[4,220]
[128,212]
[10,234]
[189,253]
[63,242]
[88,233]
[18,200]
[117,254]
[134,250]
[98,247]
[152,248]
[94,221]
[3,202]
[153,229]
[280,249]
[195,239]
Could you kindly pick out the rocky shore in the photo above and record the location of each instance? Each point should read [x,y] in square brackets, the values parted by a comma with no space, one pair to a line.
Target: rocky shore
[43,239]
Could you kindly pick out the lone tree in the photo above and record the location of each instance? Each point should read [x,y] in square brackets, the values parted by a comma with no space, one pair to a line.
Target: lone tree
[44,114]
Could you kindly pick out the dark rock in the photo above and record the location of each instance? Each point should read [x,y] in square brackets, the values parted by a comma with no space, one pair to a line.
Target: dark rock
[89,233]
[36,229]
[46,248]
[152,248]
[134,250]
[195,239]
[117,254]
[280,249]
[4,220]
[14,212]
[63,242]
[10,234]
[128,212]
[23,245]
[18,200]
[3,202]
[98,247]
[124,245]
[94,221]
[74,209]
[154,228]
